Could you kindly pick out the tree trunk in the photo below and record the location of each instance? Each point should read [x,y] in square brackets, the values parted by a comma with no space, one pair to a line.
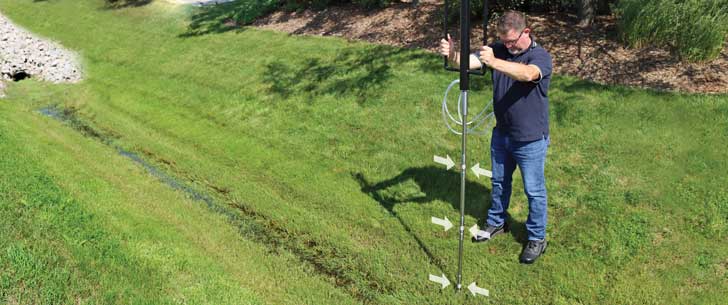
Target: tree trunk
[586,11]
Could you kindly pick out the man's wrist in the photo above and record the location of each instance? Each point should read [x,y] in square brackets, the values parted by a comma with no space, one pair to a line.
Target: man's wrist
[494,63]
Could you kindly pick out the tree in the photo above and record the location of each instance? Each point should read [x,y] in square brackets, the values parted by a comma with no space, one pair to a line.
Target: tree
[586,10]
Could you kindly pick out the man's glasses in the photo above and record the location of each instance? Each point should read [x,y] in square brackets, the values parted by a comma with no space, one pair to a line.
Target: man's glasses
[511,42]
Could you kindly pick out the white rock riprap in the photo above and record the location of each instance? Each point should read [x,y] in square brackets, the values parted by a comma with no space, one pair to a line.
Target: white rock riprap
[25,54]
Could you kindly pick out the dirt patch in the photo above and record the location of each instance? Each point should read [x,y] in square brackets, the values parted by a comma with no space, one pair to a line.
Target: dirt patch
[592,54]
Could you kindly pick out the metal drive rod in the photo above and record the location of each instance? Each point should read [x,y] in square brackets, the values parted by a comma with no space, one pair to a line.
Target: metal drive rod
[463,171]
[464,85]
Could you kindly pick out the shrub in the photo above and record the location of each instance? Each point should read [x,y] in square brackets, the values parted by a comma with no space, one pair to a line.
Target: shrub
[695,29]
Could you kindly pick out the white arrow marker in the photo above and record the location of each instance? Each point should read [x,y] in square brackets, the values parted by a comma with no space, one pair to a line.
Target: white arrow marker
[440,280]
[481,172]
[475,290]
[445,161]
[443,222]
[478,233]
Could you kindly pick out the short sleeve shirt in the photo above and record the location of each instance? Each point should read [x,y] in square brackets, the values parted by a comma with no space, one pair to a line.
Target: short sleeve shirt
[522,108]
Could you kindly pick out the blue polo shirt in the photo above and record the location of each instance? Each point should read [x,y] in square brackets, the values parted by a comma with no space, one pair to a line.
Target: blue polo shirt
[522,108]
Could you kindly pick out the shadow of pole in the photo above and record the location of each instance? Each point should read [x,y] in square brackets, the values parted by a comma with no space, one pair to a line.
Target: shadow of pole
[436,184]
[389,206]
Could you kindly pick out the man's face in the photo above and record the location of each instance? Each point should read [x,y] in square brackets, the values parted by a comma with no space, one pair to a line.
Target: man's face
[515,41]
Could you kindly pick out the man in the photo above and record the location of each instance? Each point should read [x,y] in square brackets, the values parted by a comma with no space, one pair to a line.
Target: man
[521,75]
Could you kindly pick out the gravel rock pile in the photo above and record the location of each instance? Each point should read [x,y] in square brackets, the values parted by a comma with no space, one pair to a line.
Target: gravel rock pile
[24,55]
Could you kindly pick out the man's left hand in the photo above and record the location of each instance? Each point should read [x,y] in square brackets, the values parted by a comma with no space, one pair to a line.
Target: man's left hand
[486,55]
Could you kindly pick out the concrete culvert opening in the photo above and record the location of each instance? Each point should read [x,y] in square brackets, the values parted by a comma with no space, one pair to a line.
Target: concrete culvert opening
[18,76]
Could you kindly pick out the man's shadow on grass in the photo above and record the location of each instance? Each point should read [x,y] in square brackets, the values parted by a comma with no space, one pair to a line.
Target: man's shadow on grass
[436,183]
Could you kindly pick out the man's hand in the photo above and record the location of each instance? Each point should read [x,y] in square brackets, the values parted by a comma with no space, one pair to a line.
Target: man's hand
[446,48]
[486,56]
[517,71]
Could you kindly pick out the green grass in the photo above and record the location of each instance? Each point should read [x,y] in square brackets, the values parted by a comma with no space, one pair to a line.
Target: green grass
[321,149]
[108,232]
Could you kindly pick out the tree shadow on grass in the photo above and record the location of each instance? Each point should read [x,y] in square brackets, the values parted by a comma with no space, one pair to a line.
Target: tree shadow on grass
[434,183]
[217,18]
[361,73]
[118,4]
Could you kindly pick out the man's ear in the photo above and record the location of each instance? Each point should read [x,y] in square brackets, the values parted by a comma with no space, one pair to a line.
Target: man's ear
[526,31]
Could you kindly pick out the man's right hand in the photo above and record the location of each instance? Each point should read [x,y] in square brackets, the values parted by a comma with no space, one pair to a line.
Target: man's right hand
[446,47]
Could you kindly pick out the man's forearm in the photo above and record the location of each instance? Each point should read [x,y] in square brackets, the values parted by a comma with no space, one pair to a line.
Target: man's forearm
[474,61]
[517,71]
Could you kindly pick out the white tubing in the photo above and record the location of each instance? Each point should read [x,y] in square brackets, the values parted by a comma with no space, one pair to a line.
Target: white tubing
[477,121]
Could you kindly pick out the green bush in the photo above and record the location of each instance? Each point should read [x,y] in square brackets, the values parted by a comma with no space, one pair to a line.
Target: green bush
[695,29]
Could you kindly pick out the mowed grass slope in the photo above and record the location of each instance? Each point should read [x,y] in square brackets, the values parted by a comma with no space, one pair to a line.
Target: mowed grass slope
[323,149]
[84,225]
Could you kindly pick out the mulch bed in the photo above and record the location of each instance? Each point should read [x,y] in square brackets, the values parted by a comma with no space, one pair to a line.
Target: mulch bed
[592,54]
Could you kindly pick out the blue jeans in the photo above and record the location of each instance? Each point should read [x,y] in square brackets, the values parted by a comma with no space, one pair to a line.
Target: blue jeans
[530,157]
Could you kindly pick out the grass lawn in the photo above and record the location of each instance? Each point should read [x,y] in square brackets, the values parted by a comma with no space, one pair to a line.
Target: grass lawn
[314,156]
